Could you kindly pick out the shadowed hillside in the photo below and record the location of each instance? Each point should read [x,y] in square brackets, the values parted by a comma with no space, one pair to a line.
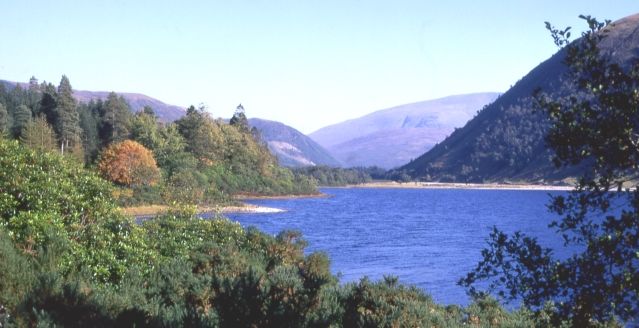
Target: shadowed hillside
[506,139]
[291,147]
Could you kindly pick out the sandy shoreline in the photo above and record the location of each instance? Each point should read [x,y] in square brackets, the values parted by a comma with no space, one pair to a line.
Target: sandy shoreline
[444,185]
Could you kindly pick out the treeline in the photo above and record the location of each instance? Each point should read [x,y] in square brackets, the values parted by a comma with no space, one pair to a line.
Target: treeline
[68,257]
[334,176]
[197,159]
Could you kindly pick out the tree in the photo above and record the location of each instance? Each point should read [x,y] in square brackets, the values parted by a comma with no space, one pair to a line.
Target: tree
[21,118]
[4,120]
[48,103]
[596,125]
[39,135]
[33,94]
[129,163]
[239,119]
[144,129]
[115,119]
[89,121]
[44,196]
[68,121]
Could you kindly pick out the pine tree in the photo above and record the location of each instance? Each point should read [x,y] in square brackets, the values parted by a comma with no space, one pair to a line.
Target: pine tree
[4,120]
[68,119]
[239,119]
[48,103]
[21,118]
[33,95]
[115,119]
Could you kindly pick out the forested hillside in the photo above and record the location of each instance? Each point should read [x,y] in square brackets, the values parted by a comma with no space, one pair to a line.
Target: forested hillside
[197,158]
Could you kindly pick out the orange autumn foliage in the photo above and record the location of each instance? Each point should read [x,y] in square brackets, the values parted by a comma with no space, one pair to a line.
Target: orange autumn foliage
[128,163]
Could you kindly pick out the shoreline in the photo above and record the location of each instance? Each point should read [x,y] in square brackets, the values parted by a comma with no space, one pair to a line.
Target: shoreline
[154,210]
[255,197]
[458,185]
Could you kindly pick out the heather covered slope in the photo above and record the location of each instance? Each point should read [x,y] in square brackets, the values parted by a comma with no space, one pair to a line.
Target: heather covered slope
[393,136]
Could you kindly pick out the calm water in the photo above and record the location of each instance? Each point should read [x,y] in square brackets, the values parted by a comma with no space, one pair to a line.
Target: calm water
[426,237]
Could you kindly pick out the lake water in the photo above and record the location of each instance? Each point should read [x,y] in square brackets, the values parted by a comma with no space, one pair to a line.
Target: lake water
[426,237]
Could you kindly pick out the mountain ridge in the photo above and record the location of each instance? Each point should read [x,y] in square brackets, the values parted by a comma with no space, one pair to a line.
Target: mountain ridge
[393,136]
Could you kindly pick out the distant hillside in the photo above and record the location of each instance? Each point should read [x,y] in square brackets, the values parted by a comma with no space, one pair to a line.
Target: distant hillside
[166,113]
[392,137]
[506,139]
[291,147]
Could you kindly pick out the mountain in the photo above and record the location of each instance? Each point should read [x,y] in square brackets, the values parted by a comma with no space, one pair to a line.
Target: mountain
[137,101]
[505,141]
[391,137]
[291,147]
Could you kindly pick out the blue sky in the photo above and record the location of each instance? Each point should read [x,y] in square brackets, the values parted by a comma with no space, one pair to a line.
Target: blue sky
[304,63]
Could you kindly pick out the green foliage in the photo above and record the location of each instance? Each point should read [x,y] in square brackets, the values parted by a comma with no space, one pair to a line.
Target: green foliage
[115,118]
[67,258]
[21,118]
[239,119]
[4,120]
[89,123]
[39,135]
[332,176]
[68,121]
[44,195]
[596,126]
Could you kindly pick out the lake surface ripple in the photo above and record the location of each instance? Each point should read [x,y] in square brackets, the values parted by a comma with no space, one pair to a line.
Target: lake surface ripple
[427,237]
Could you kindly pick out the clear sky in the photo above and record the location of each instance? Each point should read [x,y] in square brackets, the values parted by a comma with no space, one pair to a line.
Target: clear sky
[304,63]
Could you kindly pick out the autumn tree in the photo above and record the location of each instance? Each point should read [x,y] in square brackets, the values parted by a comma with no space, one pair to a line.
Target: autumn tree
[129,163]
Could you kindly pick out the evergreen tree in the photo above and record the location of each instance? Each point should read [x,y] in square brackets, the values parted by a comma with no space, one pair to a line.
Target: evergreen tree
[89,121]
[115,119]
[33,95]
[239,119]
[68,126]
[148,110]
[21,118]
[48,103]
[4,120]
